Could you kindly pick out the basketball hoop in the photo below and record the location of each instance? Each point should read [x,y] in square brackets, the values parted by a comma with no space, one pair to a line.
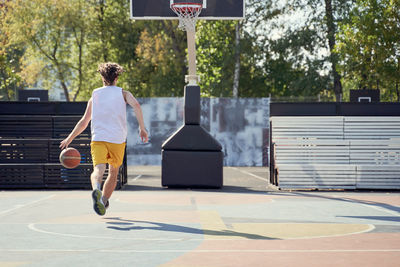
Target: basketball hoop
[188,14]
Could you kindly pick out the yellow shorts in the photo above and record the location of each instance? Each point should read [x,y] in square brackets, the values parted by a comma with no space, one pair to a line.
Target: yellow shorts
[105,152]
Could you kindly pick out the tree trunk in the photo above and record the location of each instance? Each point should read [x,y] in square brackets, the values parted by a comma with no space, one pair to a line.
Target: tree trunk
[7,94]
[103,30]
[236,75]
[80,43]
[62,80]
[397,83]
[331,31]
[65,88]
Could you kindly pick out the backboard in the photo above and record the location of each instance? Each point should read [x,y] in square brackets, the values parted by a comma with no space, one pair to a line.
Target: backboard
[212,9]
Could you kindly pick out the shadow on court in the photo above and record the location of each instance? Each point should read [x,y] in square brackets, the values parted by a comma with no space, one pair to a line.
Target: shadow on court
[116,223]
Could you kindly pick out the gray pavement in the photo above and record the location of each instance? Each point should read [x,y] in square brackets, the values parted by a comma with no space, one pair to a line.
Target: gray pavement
[246,223]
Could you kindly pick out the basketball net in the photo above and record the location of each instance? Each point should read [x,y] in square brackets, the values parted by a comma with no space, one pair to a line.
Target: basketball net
[188,14]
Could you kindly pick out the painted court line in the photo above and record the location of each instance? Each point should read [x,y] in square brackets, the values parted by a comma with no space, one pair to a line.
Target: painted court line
[137,177]
[25,205]
[251,174]
[382,209]
[33,227]
[202,250]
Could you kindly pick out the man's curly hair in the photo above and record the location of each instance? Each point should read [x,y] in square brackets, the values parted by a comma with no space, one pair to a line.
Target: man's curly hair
[110,71]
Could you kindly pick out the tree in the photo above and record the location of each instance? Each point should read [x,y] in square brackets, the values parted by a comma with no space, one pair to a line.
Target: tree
[236,77]
[226,57]
[369,47]
[161,65]
[298,38]
[331,36]
[53,32]
[215,57]
[10,81]
[151,52]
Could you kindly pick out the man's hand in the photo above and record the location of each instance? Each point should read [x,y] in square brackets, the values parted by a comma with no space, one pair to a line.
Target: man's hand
[143,135]
[65,143]
[79,127]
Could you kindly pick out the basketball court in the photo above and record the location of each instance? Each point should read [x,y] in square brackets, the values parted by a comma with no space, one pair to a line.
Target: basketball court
[245,223]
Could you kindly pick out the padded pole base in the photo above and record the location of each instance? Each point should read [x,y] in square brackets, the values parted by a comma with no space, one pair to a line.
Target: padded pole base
[192,169]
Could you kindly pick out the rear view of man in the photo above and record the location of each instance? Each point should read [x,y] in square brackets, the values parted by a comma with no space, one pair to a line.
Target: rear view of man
[106,110]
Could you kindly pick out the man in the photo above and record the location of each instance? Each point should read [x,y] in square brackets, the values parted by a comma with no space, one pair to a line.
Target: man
[106,110]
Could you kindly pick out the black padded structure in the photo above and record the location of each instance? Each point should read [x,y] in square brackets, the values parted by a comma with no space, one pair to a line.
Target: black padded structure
[192,105]
[192,138]
[191,157]
[192,169]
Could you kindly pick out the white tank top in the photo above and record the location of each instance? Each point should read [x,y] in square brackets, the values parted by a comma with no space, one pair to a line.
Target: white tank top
[109,115]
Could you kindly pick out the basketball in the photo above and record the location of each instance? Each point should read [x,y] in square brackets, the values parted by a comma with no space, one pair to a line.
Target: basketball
[70,158]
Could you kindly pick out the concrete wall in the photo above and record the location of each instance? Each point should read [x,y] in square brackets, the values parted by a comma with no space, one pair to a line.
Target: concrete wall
[240,125]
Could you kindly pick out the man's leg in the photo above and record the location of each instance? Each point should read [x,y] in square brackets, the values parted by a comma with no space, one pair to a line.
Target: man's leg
[96,178]
[116,156]
[110,183]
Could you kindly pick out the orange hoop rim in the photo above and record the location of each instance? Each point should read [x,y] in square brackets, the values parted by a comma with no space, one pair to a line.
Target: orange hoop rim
[188,6]
[187,14]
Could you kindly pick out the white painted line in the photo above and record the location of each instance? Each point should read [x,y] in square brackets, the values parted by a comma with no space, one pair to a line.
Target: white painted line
[45,250]
[382,209]
[25,205]
[369,229]
[33,227]
[137,177]
[204,250]
[251,174]
[253,251]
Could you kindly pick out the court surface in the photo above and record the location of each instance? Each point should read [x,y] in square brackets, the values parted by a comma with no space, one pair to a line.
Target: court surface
[246,223]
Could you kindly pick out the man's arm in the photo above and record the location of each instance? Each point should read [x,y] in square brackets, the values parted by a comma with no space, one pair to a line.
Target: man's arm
[79,127]
[139,114]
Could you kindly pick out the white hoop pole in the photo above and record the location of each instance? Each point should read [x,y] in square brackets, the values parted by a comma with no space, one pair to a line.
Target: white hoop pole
[192,78]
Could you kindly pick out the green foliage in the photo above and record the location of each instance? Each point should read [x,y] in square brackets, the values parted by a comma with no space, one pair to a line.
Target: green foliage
[10,80]
[216,61]
[294,57]
[285,50]
[369,47]
[215,57]
[54,35]
[161,60]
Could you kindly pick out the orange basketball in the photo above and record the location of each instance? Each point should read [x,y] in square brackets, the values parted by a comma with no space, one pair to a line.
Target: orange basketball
[70,158]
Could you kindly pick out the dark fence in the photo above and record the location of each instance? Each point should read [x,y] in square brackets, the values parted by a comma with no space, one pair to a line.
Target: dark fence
[30,134]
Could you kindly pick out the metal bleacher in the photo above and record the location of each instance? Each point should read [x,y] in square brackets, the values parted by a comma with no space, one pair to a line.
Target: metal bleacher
[336,152]
[29,147]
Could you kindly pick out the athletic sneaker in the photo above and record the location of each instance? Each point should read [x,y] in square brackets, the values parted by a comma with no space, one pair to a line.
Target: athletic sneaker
[98,204]
[107,204]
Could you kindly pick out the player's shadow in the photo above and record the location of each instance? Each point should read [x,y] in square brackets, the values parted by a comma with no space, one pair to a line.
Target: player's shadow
[117,223]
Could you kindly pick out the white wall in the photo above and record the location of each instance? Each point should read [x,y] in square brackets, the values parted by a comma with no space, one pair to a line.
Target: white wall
[240,125]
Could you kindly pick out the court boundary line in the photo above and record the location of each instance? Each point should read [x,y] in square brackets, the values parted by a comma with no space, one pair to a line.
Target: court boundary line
[250,174]
[381,209]
[32,226]
[27,204]
[136,178]
[203,250]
